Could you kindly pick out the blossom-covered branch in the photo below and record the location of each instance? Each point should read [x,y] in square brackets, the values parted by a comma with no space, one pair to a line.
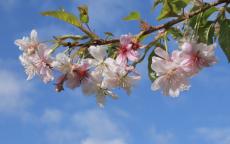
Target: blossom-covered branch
[100,66]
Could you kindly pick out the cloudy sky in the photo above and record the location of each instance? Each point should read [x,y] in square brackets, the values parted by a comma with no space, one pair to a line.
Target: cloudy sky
[31,112]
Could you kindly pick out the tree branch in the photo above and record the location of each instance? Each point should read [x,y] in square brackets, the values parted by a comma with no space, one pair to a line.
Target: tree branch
[162,26]
[182,18]
[153,28]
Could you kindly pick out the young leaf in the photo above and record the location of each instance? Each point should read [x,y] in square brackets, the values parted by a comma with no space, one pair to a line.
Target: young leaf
[172,8]
[151,73]
[64,16]
[84,17]
[167,11]
[203,28]
[224,38]
[178,5]
[156,3]
[210,33]
[133,16]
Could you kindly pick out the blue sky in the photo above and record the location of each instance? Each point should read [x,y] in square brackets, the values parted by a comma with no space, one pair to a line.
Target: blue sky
[31,112]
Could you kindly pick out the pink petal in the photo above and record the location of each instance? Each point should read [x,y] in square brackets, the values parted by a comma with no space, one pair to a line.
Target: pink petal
[125,40]
[162,53]
[72,82]
[133,55]
[121,59]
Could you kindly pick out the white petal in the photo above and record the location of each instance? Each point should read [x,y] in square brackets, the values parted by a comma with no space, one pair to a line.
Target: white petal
[162,53]
[34,35]
[98,52]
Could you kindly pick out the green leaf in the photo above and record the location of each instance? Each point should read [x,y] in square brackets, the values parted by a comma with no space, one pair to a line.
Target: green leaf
[172,8]
[206,32]
[178,5]
[152,74]
[84,17]
[64,16]
[210,33]
[167,11]
[203,28]
[156,3]
[133,16]
[203,16]
[224,38]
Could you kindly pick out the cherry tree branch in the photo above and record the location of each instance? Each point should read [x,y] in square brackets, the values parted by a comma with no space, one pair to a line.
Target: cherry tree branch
[182,18]
[159,27]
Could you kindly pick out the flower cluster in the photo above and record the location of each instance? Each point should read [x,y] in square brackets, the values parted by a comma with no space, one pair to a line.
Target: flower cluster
[174,70]
[97,74]
[35,57]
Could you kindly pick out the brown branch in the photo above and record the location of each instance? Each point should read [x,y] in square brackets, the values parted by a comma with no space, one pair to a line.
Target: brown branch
[154,28]
[162,26]
[182,18]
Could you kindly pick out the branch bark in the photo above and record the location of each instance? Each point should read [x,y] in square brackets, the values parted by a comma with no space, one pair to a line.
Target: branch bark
[162,26]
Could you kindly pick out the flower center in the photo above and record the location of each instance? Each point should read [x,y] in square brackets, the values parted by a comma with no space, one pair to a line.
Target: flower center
[123,50]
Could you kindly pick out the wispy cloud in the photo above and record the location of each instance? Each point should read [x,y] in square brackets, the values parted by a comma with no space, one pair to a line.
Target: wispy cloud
[51,116]
[13,93]
[215,135]
[161,137]
[88,127]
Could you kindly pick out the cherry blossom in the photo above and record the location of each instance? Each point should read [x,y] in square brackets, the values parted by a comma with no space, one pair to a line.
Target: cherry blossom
[197,56]
[99,54]
[42,61]
[118,77]
[73,73]
[98,74]
[38,64]
[28,44]
[93,86]
[77,75]
[172,79]
[62,63]
[127,50]
[100,62]
[30,68]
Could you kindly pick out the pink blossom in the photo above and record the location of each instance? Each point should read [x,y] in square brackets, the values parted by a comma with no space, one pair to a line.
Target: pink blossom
[117,76]
[74,74]
[30,68]
[28,44]
[43,61]
[38,63]
[77,75]
[93,86]
[171,77]
[127,50]
[196,56]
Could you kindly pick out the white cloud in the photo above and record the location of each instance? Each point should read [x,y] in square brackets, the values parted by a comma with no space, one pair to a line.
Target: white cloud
[161,138]
[215,135]
[93,121]
[89,127]
[96,141]
[13,91]
[99,127]
[63,136]
[51,116]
